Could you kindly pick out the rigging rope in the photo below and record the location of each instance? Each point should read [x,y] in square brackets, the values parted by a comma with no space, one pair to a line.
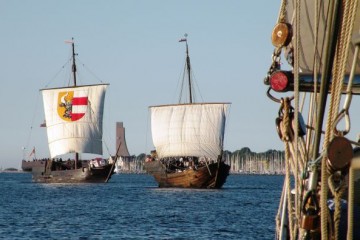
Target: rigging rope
[296,148]
[288,191]
[32,124]
[282,12]
[339,66]
[296,116]
[61,69]
[337,191]
[314,96]
[286,137]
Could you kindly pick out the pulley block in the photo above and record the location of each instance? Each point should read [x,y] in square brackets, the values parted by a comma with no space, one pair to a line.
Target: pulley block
[340,153]
[281,35]
[301,125]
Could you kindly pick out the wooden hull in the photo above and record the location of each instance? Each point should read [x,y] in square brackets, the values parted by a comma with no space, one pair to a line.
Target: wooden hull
[44,174]
[213,176]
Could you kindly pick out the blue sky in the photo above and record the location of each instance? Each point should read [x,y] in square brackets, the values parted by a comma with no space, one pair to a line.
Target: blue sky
[133,45]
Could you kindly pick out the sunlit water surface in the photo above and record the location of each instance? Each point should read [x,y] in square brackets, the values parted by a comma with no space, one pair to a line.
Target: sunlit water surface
[131,206]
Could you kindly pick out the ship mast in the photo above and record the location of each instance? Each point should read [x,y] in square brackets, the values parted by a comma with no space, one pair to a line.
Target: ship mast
[189,70]
[188,66]
[73,57]
[74,78]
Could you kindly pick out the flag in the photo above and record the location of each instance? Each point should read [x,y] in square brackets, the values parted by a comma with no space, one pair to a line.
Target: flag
[43,124]
[32,152]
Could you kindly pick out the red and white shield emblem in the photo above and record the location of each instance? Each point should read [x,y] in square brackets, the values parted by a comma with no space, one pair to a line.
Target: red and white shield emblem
[72,105]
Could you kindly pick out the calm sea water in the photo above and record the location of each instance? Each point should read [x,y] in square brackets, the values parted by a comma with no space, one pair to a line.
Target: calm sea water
[131,206]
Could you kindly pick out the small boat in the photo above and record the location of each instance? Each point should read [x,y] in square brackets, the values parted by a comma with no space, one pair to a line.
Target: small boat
[188,139]
[321,193]
[27,166]
[73,117]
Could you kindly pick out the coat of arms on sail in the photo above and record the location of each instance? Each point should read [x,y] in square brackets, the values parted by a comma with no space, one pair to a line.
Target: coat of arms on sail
[72,105]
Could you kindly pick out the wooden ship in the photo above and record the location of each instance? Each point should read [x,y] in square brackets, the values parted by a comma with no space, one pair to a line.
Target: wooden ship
[188,139]
[73,117]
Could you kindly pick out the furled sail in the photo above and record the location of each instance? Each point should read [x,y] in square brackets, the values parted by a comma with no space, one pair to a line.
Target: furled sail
[313,17]
[74,119]
[189,129]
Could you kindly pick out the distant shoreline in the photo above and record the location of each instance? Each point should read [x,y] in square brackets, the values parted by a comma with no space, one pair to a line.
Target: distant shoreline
[12,171]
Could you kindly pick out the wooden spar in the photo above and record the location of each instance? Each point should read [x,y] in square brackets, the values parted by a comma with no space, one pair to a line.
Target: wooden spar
[73,57]
[326,73]
[284,217]
[207,166]
[74,78]
[188,67]
[218,166]
[76,159]
[189,71]
[113,165]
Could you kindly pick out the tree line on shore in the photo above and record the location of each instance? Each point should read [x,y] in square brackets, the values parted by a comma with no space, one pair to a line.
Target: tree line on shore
[248,162]
[242,161]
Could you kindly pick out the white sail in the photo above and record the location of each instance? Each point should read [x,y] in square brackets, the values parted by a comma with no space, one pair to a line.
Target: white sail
[311,45]
[189,129]
[74,119]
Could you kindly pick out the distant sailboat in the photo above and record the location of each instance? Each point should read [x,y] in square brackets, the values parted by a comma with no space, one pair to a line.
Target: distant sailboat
[188,139]
[74,125]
